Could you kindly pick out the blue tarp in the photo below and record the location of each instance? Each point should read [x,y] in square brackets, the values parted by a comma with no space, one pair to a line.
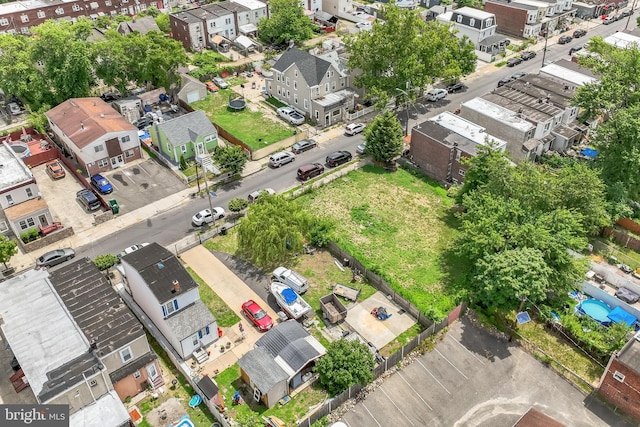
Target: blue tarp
[619,315]
[289,295]
[589,152]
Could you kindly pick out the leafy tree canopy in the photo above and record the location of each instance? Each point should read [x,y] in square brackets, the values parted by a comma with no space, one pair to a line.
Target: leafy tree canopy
[231,158]
[286,22]
[384,137]
[406,49]
[105,262]
[345,364]
[8,248]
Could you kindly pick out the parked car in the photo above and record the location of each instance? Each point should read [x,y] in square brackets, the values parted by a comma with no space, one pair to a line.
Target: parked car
[579,33]
[55,169]
[290,115]
[364,26]
[513,62]
[527,55]
[281,158]
[455,87]
[14,108]
[291,278]
[211,87]
[207,216]
[55,257]
[609,20]
[505,80]
[308,171]
[142,122]
[354,128]
[88,200]
[617,17]
[256,194]
[219,81]
[519,75]
[626,13]
[304,145]
[574,49]
[362,148]
[337,158]
[257,315]
[436,94]
[132,249]
[564,39]
[625,268]
[101,184]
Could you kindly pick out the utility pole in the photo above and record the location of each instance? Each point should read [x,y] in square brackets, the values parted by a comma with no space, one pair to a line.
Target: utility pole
[546,39]
[406,127]
[633,7]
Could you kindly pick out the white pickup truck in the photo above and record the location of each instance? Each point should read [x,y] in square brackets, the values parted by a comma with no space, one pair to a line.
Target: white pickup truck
[292,279]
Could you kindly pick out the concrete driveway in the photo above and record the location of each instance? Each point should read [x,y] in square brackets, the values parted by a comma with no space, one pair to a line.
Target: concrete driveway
[472,379]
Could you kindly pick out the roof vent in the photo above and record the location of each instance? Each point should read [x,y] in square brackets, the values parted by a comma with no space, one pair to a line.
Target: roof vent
[160,265]
[176,287]
[102,115]
[82,125]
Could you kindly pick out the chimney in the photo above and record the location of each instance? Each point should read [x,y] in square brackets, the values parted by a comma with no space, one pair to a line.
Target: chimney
[93,345]
[176,287]
[82,125]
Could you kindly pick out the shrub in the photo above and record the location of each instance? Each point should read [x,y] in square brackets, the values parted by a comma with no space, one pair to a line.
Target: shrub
[25,237]
[319,233]
[33,234]
[237,204]
[106,261]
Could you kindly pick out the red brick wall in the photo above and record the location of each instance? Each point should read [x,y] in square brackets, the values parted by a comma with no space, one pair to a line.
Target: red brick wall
[180,33]
[430,155]
[510,20]
[623,395]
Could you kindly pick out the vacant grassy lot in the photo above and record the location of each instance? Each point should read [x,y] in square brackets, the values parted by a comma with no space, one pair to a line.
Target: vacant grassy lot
[248,126]
[399,226]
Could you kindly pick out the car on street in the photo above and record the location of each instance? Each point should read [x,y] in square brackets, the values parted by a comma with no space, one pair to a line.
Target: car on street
[617,17]
[101,184]
[579,33]
[55,169]
[55,257]
[505,80]
[290,115]
[436,94]
[257,315]
[219,81]
[207,216]
[527,55]
[337,158]
[564,39]
[354,128]
[626,13]
[14,108]
[211,87]
[519,75]
[310,170]
[625,268]
[574,49]
[281,158]
[454,87]
[256,194]
[132,249]
[513,62]
[362,148]
[304,145]
[608,20]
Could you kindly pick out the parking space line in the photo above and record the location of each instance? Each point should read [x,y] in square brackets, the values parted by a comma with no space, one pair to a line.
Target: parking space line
[394,404]
[414,390]
[145,171]
[468,351]
[128,175]
[452,365]
[370,414]
[432,376]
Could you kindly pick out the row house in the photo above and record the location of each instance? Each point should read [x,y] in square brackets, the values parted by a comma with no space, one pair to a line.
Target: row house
[440,145]
[479,27]
[531,18]
[18,17]
[568,73]
[315,85]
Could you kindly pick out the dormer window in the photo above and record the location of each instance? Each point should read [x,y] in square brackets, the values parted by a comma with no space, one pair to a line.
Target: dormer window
[472,22]
[488,22]
[459,19]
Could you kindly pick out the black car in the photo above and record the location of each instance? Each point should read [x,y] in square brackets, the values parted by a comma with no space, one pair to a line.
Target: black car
[579,33]
[525,56]
[337,158]
[504,81]
[564,39]
[513,62]
[455,87]
[110,96]
[142,123]
[574,49]
[304,145]
[517,76]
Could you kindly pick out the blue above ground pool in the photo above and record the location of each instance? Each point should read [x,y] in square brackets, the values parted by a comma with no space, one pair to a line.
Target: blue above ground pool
[185,422]
[596,309]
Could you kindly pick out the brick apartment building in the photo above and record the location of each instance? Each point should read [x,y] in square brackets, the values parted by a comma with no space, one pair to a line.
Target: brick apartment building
[620,383]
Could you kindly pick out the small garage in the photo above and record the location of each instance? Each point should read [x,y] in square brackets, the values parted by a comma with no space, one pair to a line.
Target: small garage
[191,90]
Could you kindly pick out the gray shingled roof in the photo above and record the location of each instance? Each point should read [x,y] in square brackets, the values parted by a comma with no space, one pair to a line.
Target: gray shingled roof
[189,320]
[281,336]
[311,67]
[181,130]
[262,369]
[142,25]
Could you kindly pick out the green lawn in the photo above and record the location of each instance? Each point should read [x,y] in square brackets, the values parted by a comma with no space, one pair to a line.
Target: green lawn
[225,317]
[248,126]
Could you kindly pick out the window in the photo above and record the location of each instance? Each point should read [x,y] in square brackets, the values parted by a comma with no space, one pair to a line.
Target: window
[288,94]
[60,11]
[169,307]
[317,90]
[277,77]
[24,18]
[458,152]
[489,22]
[136,375]
[279,91]
[333,85]
[618,376]
[461,172]
[295,85]
[305,103]
[342,82]
[75,7]
[287,82]
[126,354]
[195,339]
[103,163]
[459,19]
[29,192]
[472,22]
[9,199]
[317,114]
[295,98]
[41,14]
[23,225]
[125,138]
[326,87]
[183,148]
[99,148]
[24,30]
[107,3]
[295,73]
[257,15]
[4,21]
[129,153]
[331,73]
[3,226]
[93,383]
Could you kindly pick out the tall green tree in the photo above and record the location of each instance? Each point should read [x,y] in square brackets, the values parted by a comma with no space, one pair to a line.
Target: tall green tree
[273,230]
[8,248]
[384,137]
[286,22]
[346,363]
[406,50]
[231,158]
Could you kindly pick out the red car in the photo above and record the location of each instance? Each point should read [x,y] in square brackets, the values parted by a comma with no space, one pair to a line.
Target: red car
[257,315]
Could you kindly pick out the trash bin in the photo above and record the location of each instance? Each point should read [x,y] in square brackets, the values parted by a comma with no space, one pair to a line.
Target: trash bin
[223,231]
[115,208]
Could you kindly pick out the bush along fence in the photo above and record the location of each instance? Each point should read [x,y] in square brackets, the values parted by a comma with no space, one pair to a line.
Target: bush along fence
[431,328]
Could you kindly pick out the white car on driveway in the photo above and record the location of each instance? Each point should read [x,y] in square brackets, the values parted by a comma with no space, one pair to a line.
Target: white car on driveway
[436,94]
[206,216]
[290,115]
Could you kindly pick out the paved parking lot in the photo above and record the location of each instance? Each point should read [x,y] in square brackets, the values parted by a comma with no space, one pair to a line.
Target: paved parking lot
[472,379]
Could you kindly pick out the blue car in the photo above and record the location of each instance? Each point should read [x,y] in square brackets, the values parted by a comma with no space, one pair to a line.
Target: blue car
[101,184]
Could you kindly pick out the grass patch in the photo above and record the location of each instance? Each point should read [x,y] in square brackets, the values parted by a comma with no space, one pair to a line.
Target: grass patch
[276,102]
[225,317]
[402,339]
[501,64]
[248,126]
[227,244]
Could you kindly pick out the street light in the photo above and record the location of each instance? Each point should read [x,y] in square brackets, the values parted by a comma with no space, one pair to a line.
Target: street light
[406,127]
[633,7]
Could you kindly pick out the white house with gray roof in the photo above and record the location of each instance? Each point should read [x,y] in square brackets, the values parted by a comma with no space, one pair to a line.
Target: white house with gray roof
[316,86]
[191,135]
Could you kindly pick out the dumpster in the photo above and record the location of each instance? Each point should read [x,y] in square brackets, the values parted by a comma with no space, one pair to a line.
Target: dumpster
[113,203]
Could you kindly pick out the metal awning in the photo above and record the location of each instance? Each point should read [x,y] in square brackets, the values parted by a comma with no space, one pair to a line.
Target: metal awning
[248,28]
